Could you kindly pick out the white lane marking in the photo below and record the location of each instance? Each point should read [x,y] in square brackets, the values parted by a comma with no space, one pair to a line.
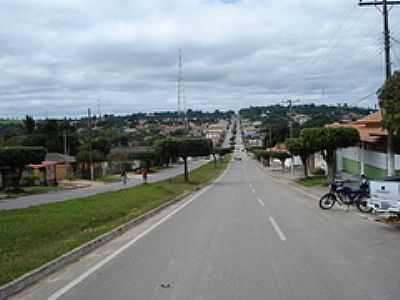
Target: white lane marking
[277,229]
[261,202]
[100,264]
[253,190]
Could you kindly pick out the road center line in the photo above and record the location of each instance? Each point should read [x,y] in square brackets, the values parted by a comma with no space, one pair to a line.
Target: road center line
[100,264]
[260,201]
[277,229]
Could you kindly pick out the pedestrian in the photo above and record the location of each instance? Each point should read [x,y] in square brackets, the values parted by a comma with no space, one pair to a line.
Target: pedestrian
[124,177]
[144,175]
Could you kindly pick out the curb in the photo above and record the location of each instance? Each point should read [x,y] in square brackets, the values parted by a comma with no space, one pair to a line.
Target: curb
[47,269]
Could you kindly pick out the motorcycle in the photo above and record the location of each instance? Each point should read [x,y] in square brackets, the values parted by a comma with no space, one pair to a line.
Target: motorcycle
[345,195]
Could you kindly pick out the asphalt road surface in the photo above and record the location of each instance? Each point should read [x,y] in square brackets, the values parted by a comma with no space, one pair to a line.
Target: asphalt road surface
[247,236]
[34,200]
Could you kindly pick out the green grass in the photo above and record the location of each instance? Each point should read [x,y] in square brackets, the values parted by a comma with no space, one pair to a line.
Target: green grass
[31,237]
[313,181]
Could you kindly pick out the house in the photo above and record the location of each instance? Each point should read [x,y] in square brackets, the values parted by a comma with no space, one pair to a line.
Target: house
[45,172]
[216,132]
[370,158]
[65,164]
[54,168]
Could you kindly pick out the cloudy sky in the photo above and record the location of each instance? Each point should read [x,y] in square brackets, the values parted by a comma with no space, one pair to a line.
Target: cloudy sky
[59,57]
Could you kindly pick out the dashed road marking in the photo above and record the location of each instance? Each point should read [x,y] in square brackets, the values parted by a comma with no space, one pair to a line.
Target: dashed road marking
[277,229]
[107,259]
[260,201]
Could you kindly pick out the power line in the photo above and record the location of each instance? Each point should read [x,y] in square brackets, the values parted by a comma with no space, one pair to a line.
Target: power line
[362,99]
[315,62]
[384,4]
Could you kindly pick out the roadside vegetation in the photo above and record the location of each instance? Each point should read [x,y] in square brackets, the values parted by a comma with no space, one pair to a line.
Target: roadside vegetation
[31,237]
[313,181]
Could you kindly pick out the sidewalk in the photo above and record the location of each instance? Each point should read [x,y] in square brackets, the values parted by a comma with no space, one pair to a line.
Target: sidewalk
[289,178]
[315,193]
[52,197]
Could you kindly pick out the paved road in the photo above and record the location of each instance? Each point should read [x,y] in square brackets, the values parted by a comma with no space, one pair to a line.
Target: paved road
[60,196]
[248,236]
[227,140]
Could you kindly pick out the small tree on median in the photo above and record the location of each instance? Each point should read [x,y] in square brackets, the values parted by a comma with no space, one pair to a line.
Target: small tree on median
[192,147]
[145,157]
[16,158]
[167,150]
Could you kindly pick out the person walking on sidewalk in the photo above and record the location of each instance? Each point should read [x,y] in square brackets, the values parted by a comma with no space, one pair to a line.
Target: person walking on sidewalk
[144,175]
[124,177]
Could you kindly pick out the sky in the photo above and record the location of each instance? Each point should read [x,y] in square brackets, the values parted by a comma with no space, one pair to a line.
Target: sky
[57,58]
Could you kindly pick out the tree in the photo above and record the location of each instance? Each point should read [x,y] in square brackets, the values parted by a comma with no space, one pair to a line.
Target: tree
[333,139]
[167,149]
[16,158]
[301,147]
[262,155]
[145,157]
[192,147]
[328,140]
[29,125]
[102,144]
[389,101]
[224,151]
[221,152]
[282,156]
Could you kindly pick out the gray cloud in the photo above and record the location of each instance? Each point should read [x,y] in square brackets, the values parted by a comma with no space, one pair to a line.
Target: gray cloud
[59,57]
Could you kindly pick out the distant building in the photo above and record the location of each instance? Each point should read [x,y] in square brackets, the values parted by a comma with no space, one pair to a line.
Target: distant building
[301,119]
[216,132]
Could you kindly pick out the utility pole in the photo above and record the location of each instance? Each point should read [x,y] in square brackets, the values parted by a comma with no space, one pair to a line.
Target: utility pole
[388,68]
[65,140]
[66,163]
[290,103]
[386,31]
[90,145]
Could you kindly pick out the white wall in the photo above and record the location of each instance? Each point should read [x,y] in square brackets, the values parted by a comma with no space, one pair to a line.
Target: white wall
[373,158]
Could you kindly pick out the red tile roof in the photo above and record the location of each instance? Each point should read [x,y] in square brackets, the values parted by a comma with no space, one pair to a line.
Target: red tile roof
[369,127]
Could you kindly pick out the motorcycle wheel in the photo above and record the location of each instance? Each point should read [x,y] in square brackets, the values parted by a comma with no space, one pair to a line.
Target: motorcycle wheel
[362,205]
[327,201]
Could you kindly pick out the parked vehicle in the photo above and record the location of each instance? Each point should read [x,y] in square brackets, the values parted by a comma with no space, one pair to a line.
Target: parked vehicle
[385,196]
[345,195]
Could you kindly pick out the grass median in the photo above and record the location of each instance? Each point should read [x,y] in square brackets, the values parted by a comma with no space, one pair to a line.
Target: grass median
[31,237]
